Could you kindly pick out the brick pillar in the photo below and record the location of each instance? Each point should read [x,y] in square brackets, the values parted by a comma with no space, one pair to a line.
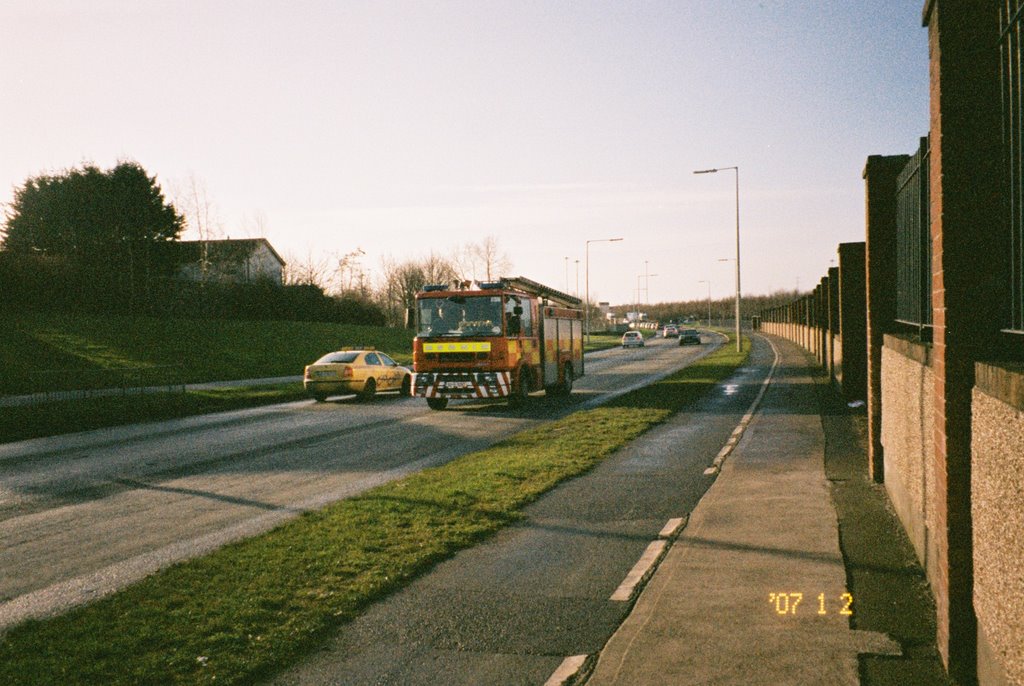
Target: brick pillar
[822,323]
[832,328]
[967,231]
[880,266]
[852,320]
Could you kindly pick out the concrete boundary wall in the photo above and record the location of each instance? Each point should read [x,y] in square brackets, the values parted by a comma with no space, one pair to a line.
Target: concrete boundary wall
[945,422]
[908,393]
[819,321]
[997,508]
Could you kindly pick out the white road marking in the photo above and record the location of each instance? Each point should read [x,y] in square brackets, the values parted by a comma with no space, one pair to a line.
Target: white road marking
[566,670]
[737,433]
[640,569]
[672,527]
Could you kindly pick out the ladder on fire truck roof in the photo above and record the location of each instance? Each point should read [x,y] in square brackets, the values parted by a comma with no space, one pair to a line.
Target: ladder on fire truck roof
[529,286]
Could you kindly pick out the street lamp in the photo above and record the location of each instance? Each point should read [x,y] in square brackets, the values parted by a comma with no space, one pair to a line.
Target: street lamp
[647,277]
[647,287]
[737,170]
[708,282]
[587,275]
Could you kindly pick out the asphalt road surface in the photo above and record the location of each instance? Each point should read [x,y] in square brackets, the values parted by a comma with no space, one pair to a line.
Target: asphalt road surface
[85,514]
[510,610]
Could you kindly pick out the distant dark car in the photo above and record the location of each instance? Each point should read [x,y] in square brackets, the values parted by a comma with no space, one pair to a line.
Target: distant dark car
[689,337]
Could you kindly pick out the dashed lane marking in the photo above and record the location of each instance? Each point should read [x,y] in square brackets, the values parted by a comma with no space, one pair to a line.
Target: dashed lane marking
[644,565]
[737,433]
[568,669]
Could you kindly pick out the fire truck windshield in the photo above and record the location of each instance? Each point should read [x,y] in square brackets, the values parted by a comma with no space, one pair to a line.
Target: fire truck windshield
[459,316]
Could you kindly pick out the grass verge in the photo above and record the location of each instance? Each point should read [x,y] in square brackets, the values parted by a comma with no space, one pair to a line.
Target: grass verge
[601,340]
[83,414]
[251,608]
[62,351]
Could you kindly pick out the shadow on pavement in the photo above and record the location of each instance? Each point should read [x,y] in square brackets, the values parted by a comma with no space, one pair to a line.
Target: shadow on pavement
[891,591]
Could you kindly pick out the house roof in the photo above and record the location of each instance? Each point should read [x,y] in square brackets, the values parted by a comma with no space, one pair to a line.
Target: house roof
[227,245]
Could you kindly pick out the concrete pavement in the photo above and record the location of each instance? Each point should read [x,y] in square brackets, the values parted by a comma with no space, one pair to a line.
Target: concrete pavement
[754,589]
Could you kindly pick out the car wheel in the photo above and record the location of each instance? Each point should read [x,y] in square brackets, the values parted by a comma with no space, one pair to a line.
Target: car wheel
[406,391]
[369,389]
[319,397]
[437,403]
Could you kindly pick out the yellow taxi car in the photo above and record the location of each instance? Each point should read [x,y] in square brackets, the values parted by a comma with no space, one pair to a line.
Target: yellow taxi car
[363,372]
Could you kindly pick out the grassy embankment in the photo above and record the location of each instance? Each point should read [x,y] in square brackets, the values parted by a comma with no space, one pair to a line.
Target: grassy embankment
[50,353]
[47,353]
[254,607]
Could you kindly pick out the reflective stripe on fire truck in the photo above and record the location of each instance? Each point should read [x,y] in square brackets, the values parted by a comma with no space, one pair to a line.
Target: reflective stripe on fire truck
[472,387]
[467,347]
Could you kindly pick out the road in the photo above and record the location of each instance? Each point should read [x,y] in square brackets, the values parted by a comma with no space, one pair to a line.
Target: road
[86,514]
[512,609]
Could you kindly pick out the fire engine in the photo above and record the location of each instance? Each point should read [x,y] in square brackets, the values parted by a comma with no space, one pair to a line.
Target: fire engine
[496,339]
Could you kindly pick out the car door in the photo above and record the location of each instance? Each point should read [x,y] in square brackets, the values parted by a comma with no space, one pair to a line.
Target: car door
[391,372]
[375,370]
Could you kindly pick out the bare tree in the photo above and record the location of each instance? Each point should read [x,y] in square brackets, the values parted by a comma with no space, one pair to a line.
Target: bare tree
[402,280]
[485,260]
[193,201]
[311,271]
[349,274]
[255,226]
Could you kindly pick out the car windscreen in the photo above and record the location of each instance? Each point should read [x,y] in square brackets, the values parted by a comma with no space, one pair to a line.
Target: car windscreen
[458,316]
[338,358]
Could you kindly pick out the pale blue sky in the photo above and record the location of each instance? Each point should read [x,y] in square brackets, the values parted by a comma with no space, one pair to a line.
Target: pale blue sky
[405,127]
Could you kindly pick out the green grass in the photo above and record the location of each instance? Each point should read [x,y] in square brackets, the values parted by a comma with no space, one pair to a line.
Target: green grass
[83,414]
[254,607]
[600,340]
[87,351]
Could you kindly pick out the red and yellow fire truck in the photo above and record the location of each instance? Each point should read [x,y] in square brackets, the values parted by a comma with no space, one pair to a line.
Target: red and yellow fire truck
[498,339]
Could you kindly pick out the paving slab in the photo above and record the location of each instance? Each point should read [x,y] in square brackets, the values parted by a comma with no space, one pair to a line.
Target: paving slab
[754,590]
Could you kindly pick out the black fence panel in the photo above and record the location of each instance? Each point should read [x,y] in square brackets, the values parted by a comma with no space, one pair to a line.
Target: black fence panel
[913,242]
[1011,39]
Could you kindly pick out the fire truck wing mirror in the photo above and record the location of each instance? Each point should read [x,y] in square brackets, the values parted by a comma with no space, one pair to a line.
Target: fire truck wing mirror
[517,309]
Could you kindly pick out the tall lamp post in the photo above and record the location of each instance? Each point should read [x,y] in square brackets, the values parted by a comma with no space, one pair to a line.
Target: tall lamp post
[708,282]
[587,275]
[647,298]
[737,170]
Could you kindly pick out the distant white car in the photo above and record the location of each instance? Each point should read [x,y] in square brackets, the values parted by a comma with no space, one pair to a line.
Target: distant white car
[632,339]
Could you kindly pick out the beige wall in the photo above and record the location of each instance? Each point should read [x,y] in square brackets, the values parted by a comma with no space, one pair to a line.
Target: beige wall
[997,510]
[908,393]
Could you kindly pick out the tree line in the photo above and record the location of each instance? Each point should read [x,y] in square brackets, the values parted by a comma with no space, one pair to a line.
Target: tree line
[721,308]
[107,241]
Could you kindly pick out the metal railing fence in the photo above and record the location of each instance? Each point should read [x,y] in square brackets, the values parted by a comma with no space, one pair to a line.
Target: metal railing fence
[1011,47]
[913,242]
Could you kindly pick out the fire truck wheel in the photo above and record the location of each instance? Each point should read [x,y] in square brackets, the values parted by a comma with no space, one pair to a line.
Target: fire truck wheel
[369,390]
[521,392]
[437,403]
[406,391]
